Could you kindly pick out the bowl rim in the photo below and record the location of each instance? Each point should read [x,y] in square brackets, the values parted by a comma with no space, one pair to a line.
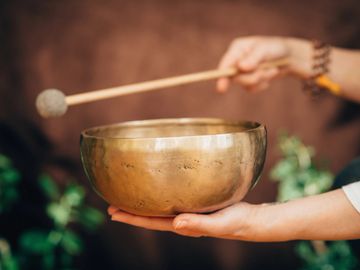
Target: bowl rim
[182,120]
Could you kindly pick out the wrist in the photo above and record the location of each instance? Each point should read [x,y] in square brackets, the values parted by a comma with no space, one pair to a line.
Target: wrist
[300,57]
[266,223]
[276,223]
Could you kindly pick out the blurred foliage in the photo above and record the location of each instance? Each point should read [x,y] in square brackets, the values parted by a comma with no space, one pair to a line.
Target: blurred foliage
[299,176]
[338,256]
[46,248]
[296,172]
[7,260]
[9,179]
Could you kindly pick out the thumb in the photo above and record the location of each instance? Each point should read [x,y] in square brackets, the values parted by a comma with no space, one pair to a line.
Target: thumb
[204,224]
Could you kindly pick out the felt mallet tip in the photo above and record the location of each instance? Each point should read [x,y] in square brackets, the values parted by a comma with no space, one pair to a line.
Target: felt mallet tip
[51,103]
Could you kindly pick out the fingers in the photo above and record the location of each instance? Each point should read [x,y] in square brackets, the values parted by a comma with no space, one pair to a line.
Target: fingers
[193,225]
[151,223]
[258,80]
[235,53]
[112,209]
[247,54]
[226,223]
[252,60]
[222,85]
[198,225]
[260,87]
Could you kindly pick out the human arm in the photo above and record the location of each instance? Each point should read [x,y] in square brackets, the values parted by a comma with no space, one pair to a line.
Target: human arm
[248,52]
[329,216]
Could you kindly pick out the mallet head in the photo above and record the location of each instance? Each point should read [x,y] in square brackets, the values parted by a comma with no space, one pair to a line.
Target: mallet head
[51,103]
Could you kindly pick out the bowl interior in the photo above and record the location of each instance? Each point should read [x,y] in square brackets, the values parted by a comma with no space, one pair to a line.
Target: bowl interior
[169,128]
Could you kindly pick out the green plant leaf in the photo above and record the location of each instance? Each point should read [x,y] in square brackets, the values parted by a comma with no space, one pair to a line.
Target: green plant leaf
[5,162]
[71,243]
[59,213]
[90,217]
[305,251]
[35,242]
[289,190]
[55,237]
[7,260]
[49,187]
[9,263]
[9,179]
[48,261]
[10,176]
[74,195]
[283,169]
[338,256]
[55,247]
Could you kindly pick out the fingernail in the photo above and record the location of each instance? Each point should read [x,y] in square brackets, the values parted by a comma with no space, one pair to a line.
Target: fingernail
[180,224]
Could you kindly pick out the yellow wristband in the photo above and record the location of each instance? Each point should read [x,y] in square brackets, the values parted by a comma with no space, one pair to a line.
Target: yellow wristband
[324,82]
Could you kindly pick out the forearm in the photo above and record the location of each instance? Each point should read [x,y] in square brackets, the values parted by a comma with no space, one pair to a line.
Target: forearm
[344,66]
[329,216]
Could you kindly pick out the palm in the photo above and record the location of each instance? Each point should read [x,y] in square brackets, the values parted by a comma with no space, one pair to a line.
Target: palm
[226,223]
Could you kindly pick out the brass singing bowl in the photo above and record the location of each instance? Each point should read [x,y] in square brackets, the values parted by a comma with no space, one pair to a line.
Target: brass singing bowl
[169,166]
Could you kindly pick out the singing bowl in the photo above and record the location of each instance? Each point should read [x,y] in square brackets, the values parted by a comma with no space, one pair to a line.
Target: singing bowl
[165,167]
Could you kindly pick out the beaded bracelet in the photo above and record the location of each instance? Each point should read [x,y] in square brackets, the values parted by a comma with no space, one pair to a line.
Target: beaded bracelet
[319,80]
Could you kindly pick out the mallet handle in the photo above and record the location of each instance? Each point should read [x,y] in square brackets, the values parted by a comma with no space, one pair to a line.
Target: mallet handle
[162,83]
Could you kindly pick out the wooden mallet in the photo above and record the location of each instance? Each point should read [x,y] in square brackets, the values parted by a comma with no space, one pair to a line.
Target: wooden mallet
[54,103]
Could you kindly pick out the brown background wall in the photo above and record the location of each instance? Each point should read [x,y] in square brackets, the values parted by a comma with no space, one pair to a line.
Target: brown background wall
[85,45]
